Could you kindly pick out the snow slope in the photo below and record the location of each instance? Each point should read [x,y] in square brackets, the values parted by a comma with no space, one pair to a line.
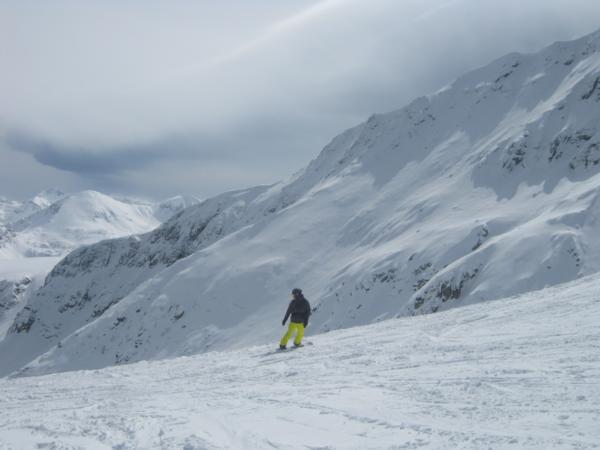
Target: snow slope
[166,209]
[518,373]
[485,189]
[19,278]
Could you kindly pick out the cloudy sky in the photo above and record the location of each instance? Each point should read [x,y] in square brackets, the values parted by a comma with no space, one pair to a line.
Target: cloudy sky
[155,98]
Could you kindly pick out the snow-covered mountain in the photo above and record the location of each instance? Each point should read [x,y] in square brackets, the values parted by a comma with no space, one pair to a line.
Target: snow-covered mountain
[53,223]
[13,210]
[519,373]
[485,189]
[19,278]
[34,235]
[166,209]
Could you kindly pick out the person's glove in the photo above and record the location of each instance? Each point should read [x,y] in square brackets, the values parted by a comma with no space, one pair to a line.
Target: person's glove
[283,323]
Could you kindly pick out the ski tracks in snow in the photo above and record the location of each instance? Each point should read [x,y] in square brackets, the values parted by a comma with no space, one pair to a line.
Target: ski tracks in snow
[516,373]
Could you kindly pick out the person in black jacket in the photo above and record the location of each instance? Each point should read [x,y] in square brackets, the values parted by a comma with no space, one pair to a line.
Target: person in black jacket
[299,310]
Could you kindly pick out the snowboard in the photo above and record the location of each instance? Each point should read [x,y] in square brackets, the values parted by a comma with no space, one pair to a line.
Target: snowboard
[289,349]
[293,347]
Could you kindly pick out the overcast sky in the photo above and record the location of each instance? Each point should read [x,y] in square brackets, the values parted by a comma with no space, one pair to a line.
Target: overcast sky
[151,99]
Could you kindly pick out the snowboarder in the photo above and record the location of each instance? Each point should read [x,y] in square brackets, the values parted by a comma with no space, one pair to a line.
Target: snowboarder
[299,309]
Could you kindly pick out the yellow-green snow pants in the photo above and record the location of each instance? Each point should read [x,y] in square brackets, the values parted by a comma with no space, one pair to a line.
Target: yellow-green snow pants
[297,328]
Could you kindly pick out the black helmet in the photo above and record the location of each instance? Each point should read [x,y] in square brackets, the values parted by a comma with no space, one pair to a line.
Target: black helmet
[296,292]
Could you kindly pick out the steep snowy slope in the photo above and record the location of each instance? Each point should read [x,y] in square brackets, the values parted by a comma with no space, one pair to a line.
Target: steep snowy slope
[166,209]
[484,189]
[96,277]
[19,278]
[520,373]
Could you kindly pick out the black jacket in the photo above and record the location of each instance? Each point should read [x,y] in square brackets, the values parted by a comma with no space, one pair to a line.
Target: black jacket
[299,309]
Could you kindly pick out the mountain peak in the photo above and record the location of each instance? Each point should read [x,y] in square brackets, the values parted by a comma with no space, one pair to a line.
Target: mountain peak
[47,197]
[53,223]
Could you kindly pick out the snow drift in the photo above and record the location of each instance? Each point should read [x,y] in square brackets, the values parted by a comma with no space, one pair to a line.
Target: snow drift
[485,189]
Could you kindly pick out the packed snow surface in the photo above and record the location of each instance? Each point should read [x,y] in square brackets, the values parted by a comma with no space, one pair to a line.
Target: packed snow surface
[518,373]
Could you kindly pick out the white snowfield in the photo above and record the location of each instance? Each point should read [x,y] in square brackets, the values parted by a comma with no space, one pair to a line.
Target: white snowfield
[520,373]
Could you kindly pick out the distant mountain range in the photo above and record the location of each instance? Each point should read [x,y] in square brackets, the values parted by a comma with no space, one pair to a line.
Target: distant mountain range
[53,223]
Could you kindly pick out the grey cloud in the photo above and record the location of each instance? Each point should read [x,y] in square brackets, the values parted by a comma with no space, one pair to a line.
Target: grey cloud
[268,136]
[80,161]
[250,90]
